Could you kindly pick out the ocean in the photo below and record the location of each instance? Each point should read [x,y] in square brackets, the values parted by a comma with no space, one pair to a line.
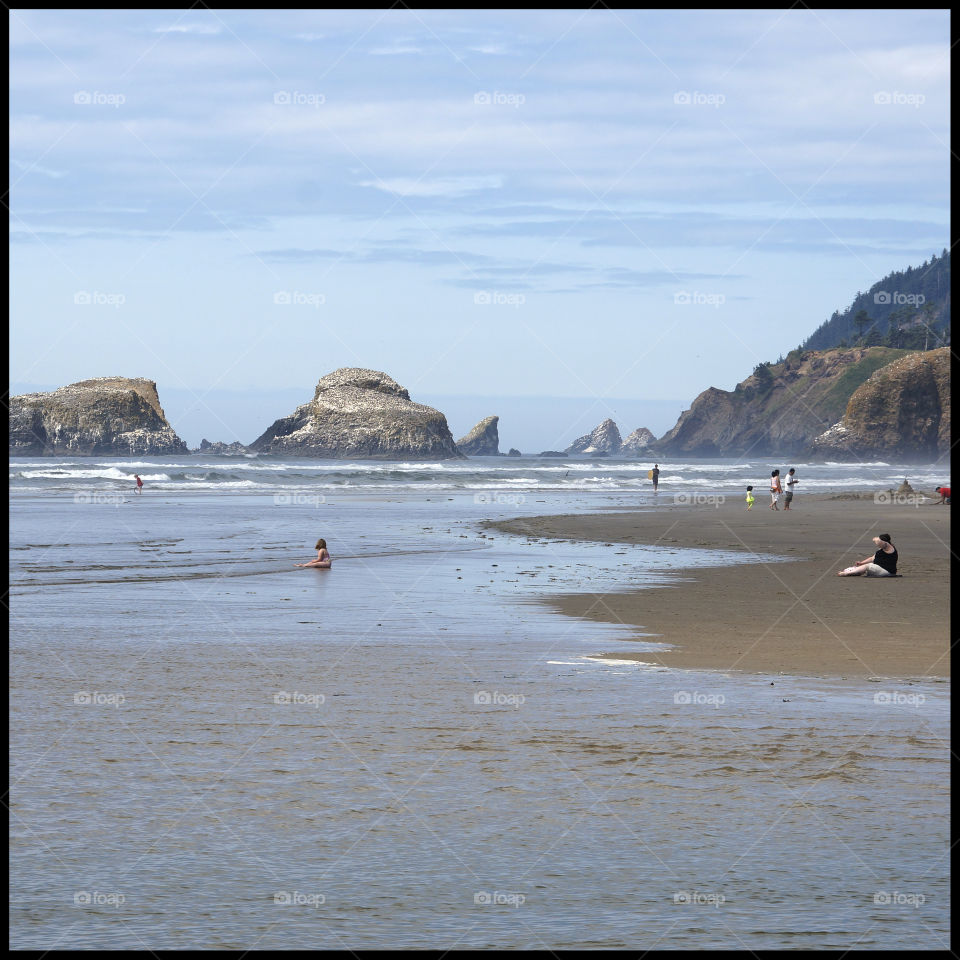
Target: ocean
[212,748]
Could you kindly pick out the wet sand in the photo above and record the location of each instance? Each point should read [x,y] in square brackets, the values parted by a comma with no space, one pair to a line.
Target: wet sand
[793,618]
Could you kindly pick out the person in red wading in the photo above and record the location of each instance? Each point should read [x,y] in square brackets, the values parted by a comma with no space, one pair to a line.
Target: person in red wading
[139,483]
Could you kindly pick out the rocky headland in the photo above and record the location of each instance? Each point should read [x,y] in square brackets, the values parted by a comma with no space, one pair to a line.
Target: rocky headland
[106,416]
[780,409]
[901,411]
[360,414]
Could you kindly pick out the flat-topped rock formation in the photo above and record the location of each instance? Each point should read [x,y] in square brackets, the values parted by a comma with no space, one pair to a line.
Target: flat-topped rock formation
[483,440]
[604,438]
[106,416]
[360,414]
[902,411]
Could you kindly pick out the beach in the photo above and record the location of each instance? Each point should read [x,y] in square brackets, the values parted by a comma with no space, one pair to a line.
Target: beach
[794,618]
[212,748]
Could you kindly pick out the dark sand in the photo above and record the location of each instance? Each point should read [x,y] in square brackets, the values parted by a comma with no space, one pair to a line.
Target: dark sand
[793,618]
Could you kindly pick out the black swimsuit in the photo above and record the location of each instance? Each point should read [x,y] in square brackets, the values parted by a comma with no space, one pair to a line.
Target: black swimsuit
[886,560]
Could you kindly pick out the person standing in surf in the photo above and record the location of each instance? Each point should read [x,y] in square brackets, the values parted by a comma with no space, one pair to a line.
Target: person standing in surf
[655,476]
[139,483]
[323,560]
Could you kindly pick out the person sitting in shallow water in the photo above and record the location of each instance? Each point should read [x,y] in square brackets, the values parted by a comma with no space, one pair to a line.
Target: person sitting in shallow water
[323,557]
[882,564]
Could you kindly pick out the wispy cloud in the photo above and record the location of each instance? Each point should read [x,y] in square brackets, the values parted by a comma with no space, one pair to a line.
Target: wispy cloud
[442,187]
[196,28]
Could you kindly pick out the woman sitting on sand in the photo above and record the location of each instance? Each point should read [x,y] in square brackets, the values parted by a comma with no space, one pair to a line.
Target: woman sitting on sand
[882,564]
[323,557]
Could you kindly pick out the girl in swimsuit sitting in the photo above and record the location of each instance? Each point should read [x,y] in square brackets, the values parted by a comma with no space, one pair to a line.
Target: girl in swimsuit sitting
[323,557]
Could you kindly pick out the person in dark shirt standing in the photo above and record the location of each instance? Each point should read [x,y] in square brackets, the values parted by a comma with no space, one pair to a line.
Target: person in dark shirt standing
[655,476]
[882,564]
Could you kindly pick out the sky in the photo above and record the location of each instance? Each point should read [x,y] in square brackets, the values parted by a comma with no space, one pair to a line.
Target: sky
[551,216]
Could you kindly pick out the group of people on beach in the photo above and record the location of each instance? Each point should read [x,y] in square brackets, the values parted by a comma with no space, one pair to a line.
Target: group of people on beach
[776,490]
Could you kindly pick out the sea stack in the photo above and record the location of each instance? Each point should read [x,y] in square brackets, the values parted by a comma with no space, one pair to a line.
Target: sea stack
[604,438]
[483,440]
[360,414]
[106,416]
[639,442]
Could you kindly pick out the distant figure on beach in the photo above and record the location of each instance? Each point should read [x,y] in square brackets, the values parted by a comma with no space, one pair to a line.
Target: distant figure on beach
[944,496]
[655,476]
[791,482]
[750,498]
[882,564]
[139,483]
[775,490]
[323,557]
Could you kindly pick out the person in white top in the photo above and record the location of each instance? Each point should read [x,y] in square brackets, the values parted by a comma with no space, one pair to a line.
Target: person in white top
[790,483]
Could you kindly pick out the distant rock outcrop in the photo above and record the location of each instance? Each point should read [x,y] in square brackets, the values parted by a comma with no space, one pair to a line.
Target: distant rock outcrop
[360,414]
[551,453]
[639,442]
[483,440]
[220,449]
[902,411]
[779,410]
[514,452]
[602,439]
[106,416]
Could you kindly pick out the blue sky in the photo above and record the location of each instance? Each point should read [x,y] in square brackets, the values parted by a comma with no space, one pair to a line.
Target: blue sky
[493,204]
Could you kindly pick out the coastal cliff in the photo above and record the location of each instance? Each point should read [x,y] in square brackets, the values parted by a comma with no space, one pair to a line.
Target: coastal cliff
[106,416]
[360,414]
[778,410]
[900,411]
[483,440]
